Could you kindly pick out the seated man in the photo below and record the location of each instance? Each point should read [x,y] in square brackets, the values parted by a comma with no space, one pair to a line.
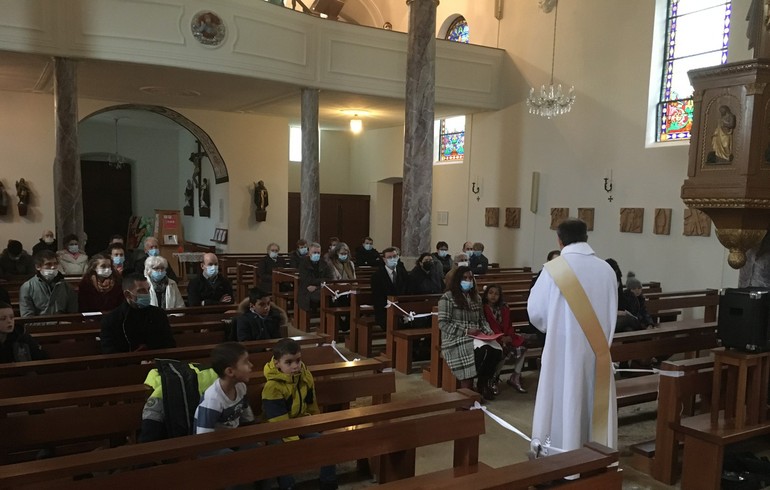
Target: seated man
[210,287]
[442,257]
[118,255]
[366,254]
[15,344]
[262,320]
[478,262]
[312,272]
[296,256]
[15,261]
[47,293]
[136,325]
[152,249]
[46,242]
[390,279]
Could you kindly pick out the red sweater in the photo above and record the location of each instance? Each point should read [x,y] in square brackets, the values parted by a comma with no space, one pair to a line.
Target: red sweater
[505,327]
[89,299]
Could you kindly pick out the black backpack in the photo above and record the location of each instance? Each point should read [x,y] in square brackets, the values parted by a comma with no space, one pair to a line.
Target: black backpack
[180,396]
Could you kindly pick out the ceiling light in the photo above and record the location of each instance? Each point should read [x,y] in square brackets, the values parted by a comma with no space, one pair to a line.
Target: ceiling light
[356,125]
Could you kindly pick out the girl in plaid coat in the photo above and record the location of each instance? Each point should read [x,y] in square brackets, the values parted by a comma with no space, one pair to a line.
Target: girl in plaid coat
[460,317]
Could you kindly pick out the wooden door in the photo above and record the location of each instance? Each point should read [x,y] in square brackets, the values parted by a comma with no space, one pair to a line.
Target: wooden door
[107,205]
[345,216]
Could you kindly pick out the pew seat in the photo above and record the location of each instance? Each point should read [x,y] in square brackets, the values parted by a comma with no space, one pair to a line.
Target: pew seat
[405,339]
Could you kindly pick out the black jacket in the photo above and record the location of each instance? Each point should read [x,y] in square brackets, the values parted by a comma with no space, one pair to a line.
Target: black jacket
[478,265]
[250,326]
[382,287]
[422,282]
[20,347]
[367,257]
[201,291]
[41,245]
[128,329]
[445,261]
[266,267]
[311,274]
[295,258]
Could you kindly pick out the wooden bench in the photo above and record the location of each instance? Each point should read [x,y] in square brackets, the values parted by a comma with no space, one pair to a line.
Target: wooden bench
[417,304]
[405,339]
[362,323]
[331,310]
[667,306]
[283,290]
[596,464]
[408,424]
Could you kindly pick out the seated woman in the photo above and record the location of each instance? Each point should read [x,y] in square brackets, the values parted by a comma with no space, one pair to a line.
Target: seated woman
[458,260]
[72,260]
[627,321]
[425,278]
[460,317]
[100,288]
[498,316]
[339,262]
[164,292]
[15,344]
[636,302]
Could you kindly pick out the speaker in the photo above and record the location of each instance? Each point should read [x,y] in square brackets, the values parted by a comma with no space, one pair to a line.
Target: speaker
[744,316]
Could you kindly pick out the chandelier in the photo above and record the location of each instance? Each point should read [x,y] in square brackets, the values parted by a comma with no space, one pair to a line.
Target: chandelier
[551,101]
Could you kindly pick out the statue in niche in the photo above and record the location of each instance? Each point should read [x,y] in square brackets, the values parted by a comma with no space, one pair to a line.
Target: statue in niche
[722,139]
[3,200]
[631,220]
[557,216]
[204,205]
[696,223]
[261,201]
[662,224]
[23,193]
[189,195]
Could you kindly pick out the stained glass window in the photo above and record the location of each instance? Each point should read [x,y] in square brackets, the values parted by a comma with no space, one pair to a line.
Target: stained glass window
[697,34]
[458,31]
[451,141]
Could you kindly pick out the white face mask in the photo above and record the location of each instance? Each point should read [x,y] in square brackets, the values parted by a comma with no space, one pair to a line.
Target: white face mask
[48,274]
[103,271]
[462,264]
[48,240]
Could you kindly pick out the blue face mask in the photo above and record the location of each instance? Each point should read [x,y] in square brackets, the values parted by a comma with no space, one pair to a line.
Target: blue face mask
[442,253]
[367,246]
[118,260]
[142,300]
[343,257]
[315,257]
[73,249]
[477,253]
[466,285]
[153,252]
[273,255]
[392,263]
[302,250]
[157,275]
[212,270]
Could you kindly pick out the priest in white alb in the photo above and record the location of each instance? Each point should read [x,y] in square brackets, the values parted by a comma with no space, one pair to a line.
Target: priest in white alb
[575,303]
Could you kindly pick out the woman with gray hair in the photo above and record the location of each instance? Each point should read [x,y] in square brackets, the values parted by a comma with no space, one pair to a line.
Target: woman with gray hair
[164,292]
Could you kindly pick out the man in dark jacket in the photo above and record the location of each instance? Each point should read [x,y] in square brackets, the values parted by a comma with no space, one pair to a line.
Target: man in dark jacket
[367,255]
[136,325]
[261,321]
[152,249]
[299,253]
[390,279]
[15,261]
[312,272]
[46,242]
[15,344]
[210,287]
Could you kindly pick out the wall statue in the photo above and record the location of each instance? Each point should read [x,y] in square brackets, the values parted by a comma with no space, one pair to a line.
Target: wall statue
[261,200]
[24,194]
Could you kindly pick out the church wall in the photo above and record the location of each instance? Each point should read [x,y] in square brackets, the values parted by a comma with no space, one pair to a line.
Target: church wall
[334,164]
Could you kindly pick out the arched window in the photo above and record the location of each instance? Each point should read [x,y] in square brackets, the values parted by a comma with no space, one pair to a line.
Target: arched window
[458,31]
[697,34]
[451,139]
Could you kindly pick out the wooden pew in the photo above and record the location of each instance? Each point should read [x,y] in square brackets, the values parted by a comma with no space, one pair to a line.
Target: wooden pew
[596,464]
[331,310]
[417,304]
[408,424]
[667,306]
[285,299]
[362,323]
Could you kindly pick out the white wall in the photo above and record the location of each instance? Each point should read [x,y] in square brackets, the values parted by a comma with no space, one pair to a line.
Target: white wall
[334,163]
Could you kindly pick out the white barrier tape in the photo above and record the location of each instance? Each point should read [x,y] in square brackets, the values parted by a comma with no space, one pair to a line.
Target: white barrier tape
[336,294]
[670,374]
[409,316]
[503,423]
[247,265]
[334,346]
[537,448]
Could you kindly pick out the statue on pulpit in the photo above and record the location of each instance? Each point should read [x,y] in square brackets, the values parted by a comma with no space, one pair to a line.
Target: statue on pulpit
[722,139]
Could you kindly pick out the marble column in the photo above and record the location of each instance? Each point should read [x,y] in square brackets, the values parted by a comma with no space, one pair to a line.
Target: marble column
[68,188]
[310,194]
[418,130]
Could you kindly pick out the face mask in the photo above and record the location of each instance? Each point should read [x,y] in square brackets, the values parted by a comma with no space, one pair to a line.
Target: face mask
[48,240]
[103,271]
[477,252]
[118,260]
[462,264]
[15,258]
[367,246]
[142,300]
[48,274]
[157,275]
[212,270]
[153,252]
[315,257]
[273,255]
[73,249]
[392,263]
[302,250]
[256,312]
[427,266]
[342,258]
[466,285]
[442,253]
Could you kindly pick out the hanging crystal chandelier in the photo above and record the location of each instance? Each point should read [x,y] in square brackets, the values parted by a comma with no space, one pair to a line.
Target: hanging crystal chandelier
[551,101]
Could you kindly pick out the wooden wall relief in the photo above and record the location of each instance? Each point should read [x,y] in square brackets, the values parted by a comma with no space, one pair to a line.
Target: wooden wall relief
[662,225]
[587,215]
[513,217]
[696,223]
[557,216]
[631,220]
[492,217]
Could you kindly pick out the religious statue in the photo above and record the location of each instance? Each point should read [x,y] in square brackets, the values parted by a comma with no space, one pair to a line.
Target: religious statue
[23,193]
[189,194]
[3,200]
[722,139]
[205,199]
[261,200]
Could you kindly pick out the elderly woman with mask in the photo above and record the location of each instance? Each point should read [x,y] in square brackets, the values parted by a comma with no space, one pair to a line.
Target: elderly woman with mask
[100,288]
[72,259]
[164,292]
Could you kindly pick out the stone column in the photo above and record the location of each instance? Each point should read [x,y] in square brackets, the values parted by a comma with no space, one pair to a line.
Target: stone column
[310,194]
[68,188]
[418,130]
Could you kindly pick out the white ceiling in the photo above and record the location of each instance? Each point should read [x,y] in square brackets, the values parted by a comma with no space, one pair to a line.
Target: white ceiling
[181,88]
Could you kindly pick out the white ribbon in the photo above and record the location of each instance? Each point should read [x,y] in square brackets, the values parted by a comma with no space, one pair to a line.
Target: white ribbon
[670,374]
[336,294]
[537,447]
[333,345]
[409,316]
